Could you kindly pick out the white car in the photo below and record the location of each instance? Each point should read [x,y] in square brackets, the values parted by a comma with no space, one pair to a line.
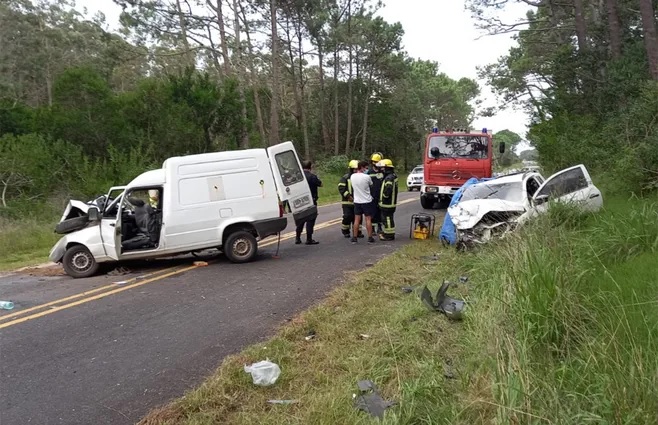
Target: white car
[415,178]
[494,207]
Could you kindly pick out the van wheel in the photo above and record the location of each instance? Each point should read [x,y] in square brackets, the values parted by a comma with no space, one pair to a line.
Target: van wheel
[240,247]
[78,262]
[426,203]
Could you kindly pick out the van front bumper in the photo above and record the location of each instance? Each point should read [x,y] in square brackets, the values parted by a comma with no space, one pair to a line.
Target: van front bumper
[270,227]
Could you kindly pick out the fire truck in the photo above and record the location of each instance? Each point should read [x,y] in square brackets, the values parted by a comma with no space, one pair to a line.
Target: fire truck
[452,157]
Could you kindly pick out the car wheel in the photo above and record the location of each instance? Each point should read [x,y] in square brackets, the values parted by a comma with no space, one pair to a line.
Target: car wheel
[78,262]
[240,247]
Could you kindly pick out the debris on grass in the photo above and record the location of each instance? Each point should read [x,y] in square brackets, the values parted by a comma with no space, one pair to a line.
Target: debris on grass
[451,307]
[282,401]
[263,373]
[370,401]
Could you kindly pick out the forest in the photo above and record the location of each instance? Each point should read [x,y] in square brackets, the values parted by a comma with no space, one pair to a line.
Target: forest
[82,108]
[586,71]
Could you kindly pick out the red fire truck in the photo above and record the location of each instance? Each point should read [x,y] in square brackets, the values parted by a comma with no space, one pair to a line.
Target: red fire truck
[451,158]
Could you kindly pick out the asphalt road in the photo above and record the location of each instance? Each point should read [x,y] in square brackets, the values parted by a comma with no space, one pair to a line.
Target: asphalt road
[106,350]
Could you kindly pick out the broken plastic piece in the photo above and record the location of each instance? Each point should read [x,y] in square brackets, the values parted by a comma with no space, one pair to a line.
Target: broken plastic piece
[371,402]
[463,279]
[200,263]
[263,373]
[453,308]
[282,401]
[407,289]
[6,305]
[364,336]
[310,335]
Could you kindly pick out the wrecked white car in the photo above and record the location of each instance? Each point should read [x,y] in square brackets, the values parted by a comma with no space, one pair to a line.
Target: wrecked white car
[491,209]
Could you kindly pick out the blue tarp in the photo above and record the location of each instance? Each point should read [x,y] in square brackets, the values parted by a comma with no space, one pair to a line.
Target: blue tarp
[448,232]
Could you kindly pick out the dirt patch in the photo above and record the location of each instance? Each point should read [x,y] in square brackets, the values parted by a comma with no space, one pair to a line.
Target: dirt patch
[50,270]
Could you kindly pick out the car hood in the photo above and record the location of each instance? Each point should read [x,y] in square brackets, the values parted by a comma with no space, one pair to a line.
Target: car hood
[466,214]
[72,206]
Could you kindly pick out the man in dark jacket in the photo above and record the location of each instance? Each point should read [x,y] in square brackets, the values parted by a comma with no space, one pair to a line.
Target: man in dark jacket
[313,183]
[388,199]
[377,177]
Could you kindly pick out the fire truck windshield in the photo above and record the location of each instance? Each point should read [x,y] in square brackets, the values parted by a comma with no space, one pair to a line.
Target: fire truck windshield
[471,147]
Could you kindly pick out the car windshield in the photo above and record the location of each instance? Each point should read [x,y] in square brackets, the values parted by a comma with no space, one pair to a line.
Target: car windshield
[509,191]
[417,170]
[470,147]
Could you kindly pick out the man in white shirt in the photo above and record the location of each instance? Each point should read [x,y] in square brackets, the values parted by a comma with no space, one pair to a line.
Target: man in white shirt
[364,203]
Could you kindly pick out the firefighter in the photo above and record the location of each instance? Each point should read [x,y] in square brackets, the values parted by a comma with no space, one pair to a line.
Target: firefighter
[346,195]
[388,199]
[377,177]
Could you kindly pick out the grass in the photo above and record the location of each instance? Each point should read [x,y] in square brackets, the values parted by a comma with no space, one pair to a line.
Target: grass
[561,328]
[25,242]
[404,355]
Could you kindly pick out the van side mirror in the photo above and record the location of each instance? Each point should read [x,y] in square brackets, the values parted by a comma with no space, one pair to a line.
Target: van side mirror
[94,214]
[541,199]
[501,147]
[435,152]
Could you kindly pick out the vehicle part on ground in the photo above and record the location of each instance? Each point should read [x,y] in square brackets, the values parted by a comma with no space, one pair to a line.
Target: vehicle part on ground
[370,401]
[240,247]
[451,307]
[263,373]
[78,262]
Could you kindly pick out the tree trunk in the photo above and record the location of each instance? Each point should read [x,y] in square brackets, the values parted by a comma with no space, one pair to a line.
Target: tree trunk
[295,88]
[650,39]
[614,29]
[349,79]
[253,79]
[365,114]
[222,37]
[307,148]
[336,115]
[244,139]
[323,119]
[581,31]
[274,107]
[183,30]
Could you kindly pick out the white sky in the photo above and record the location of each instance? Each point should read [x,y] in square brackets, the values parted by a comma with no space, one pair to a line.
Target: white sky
[438,30]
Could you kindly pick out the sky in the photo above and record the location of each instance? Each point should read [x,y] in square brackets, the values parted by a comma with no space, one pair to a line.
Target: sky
[438,30]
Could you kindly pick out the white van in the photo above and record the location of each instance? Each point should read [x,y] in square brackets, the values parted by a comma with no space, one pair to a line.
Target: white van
[224,200]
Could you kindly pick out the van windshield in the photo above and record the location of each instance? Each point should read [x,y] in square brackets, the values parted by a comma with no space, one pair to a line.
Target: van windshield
[289,168]
[470,147]
[509,191]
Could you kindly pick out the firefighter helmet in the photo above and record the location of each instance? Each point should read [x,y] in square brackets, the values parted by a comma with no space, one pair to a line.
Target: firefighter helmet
[386,163]
[376,157]
[353,164]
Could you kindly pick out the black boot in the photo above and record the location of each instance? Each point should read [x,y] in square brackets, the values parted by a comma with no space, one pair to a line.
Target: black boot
[298,238]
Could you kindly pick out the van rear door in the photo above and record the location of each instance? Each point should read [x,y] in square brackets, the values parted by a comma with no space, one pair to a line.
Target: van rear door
[291,183]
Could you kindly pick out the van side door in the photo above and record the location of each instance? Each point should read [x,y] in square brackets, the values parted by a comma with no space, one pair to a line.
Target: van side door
[111,222]
[572,185]
[290,180]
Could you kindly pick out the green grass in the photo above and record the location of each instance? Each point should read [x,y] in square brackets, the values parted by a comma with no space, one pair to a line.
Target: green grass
[562,328]
[25,242]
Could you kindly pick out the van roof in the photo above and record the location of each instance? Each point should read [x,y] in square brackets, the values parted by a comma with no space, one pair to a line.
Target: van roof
[149,178]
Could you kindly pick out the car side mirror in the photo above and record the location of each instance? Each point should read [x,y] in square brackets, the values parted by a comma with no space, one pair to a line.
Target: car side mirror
[435,152]
[94,214]
[541,199]
[501,147]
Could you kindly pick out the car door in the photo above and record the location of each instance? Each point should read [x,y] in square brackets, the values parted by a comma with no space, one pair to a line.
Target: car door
[572,185]
[290,180]
[111,223]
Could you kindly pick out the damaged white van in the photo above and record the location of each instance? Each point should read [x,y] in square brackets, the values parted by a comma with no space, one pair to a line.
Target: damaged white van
[225,200]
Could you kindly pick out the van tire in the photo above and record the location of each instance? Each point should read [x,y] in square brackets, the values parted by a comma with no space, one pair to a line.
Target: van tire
[71,225]
[78,262]
[240,247]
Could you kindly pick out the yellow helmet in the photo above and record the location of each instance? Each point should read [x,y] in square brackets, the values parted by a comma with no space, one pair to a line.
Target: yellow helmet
[353,164]
[387,163]
[376,157]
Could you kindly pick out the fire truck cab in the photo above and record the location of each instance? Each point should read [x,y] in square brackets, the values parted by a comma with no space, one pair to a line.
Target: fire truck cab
[452,157]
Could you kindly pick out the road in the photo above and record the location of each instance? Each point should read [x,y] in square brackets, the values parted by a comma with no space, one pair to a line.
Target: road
[105,350]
